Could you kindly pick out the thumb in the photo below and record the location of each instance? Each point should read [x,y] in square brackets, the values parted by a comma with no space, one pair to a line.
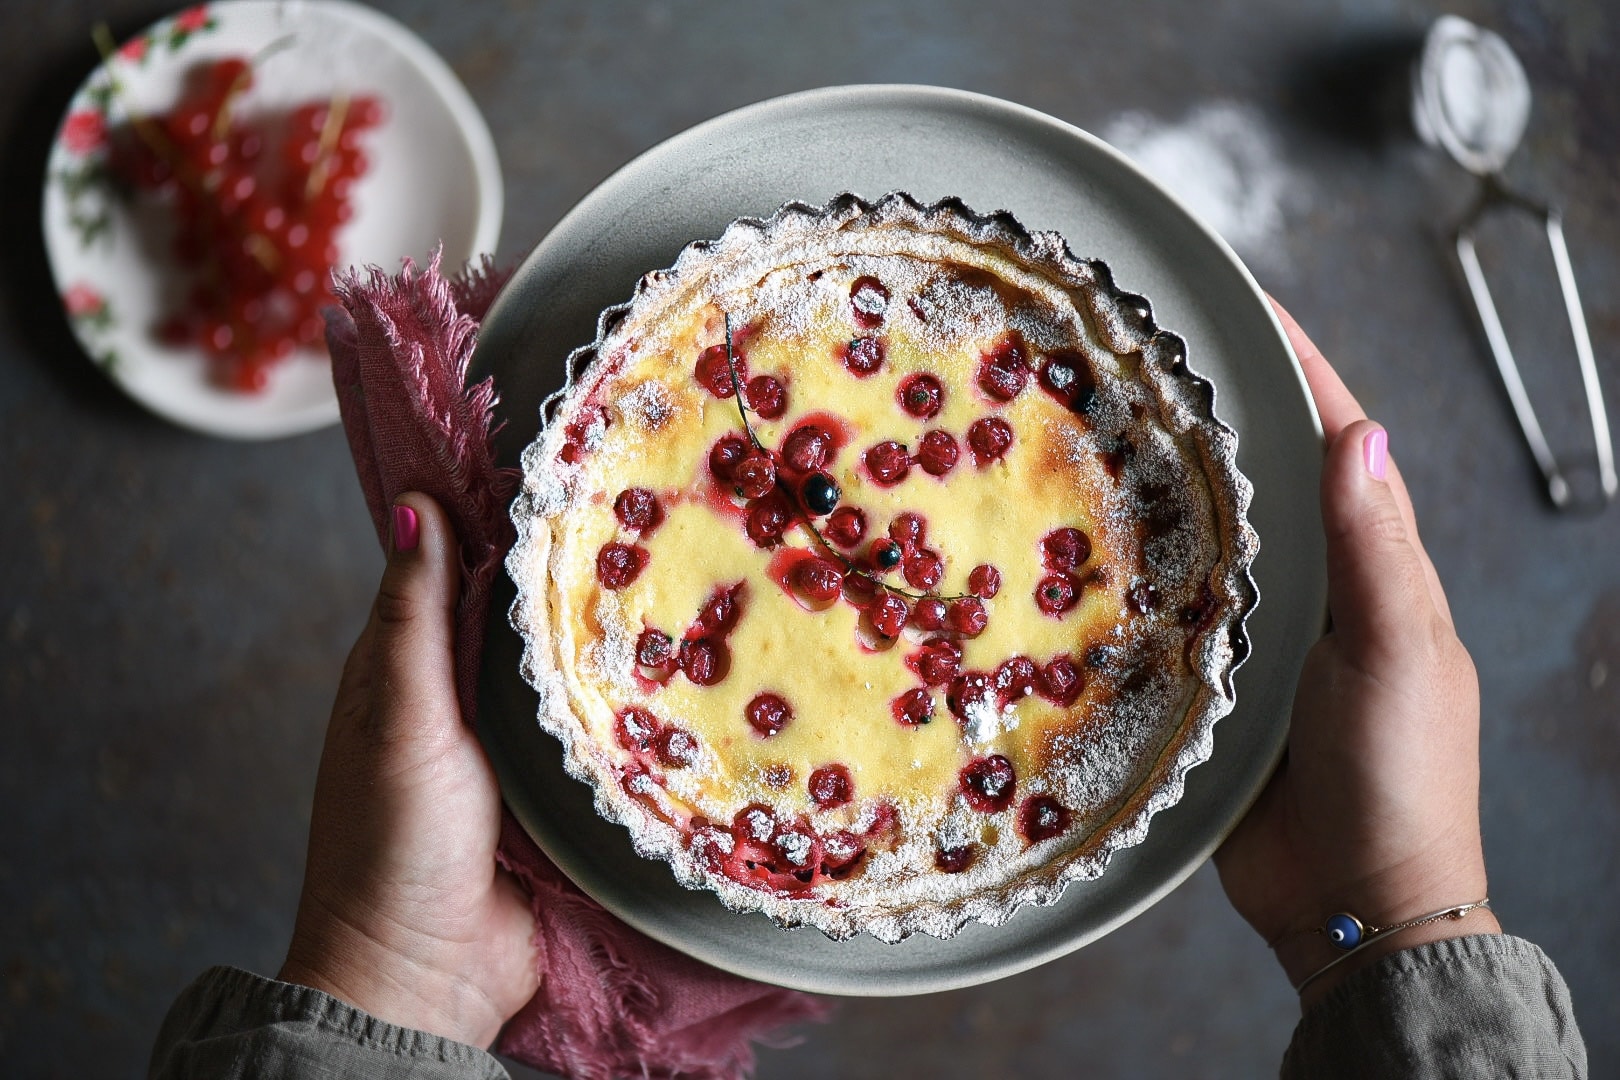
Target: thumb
[1376,586]
[413,622]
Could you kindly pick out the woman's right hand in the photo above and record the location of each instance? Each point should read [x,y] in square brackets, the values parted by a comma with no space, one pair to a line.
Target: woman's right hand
[1375,809]
[405,912]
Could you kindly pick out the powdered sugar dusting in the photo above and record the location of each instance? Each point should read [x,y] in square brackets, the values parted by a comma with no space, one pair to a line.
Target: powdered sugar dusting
[950,309]
[546,489]
[610,658]
[986,720]
[795,846]
[1044,330]
[648,406]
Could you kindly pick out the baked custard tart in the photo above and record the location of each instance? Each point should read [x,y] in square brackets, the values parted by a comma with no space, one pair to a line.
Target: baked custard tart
[882,567]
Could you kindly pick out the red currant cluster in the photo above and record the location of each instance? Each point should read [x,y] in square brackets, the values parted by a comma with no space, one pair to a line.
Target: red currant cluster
[257,205]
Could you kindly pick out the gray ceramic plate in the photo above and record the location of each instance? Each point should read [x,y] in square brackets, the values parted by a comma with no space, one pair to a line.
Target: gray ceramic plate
[995,156]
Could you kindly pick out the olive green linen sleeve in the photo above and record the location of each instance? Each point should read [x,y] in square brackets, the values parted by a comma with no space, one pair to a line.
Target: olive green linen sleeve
[234,1025]
[1487,1005]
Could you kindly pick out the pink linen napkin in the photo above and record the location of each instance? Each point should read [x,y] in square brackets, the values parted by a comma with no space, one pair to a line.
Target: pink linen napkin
[612,1002]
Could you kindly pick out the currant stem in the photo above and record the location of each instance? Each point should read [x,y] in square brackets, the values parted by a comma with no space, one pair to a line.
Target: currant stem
[222,119]
[263,251]
[151,134]
[736,386]
[330,132]
[157,140]
[843,560]
[222,122]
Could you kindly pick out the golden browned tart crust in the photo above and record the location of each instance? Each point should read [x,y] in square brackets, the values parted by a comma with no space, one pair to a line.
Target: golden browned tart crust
[882,567]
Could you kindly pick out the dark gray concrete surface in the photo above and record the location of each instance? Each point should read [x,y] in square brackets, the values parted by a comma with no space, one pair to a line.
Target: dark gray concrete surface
[174,610]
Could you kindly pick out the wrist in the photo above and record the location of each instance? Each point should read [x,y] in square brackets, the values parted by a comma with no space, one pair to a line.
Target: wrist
[1314,966]
[398,985]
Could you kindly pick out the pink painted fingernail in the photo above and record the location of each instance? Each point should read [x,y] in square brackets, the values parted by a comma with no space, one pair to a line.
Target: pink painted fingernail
[406,531]
[1375,452]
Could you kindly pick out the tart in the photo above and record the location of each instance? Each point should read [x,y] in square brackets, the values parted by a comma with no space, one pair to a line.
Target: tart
[882,567]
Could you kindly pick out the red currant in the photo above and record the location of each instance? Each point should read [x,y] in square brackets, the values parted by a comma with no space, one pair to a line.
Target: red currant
[868,301]
[888,462]
[654,649]
[889,615]
[1060,681]
[923,569]
[714,370]
[724,456]
[638,510]
[768,714]
[928,614]
[755,474]
[921,395]
[807,448]
[676,747]
[720,611]
[1065,549]
[937,663]
[914,707]
[989,438]
[1015,679]
[988,784]
[704,660]
[617,565]
[1005,371]
[1066,375]
[967,616]
[768,518]
[1042,817]
[938,453]
[819,579]
[908,529]
[766,396]
[635,729]
[831,785]
[863,356]
[1056,594]
[846,527]
[969,689]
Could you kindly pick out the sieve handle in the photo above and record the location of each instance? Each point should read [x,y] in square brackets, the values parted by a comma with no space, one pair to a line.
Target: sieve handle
[1558,487]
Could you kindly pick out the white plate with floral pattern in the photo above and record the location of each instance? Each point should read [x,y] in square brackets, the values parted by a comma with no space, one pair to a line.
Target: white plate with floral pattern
[433,178]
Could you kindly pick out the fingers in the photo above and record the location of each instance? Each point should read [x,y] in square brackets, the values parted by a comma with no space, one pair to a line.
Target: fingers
[412,627]
[1338,407]
[1334,402]
[1377,585]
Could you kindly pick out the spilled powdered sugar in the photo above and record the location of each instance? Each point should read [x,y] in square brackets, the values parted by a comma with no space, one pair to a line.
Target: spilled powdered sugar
[1222,160]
